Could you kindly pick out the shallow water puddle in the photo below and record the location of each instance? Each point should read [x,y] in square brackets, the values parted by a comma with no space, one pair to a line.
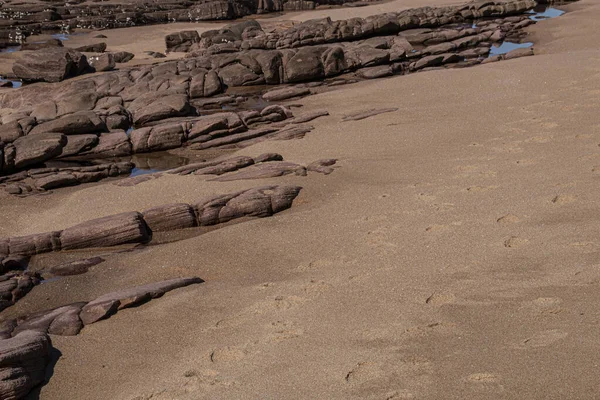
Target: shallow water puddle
[539,13]
[140,171]
[15,84]
[151,163]
[505,47]
[542,12]
[10,49]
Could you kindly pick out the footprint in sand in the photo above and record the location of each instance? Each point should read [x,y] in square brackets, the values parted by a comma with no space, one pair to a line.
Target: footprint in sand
[508,219]
[426,197]
[439,299]
[475,189]
[281,303]
[562,199]
[266,285]
[483,377]
[545,306]
[438,228]
[526,162]
[321,264]
[315,287]
[436,327]
[283,330]
[196,381]
[509,148]
[514,242]
[363,372]
[399,394]
[227,354]
[543,339]
[379,237]
[539,139]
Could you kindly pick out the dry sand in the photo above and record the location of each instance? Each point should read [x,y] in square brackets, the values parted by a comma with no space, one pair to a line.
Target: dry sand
[453,255]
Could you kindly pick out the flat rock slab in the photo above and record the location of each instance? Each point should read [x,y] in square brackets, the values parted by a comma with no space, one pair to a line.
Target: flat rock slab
[34,149]
[106,305]
[264,170]
[68,320]
[74,267]
[285,93]
[366,114]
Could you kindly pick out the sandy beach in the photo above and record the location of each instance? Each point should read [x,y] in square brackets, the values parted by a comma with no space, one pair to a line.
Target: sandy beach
[452,254]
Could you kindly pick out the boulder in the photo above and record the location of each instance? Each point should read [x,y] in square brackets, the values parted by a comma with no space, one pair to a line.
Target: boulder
[205,84]
[35,149]
[181,41]
[10,132]
[215,125]
[161,107]
[162,137]
[72,124]
[92,48]
[239,75]
[50,65]
[122,56]
[77,144]
[113,144]
[305,65]
[103,62]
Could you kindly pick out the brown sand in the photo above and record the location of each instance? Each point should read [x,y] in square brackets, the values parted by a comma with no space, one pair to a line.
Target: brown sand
[453,255]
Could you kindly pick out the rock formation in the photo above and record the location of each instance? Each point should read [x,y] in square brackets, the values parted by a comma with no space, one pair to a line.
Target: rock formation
[135,227]
[23,362]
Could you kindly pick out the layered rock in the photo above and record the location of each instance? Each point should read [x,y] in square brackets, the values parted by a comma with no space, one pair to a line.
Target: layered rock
[15,285]
[68,320]
[23,362]
[326,31]
[43,179]
[268,165]
[133,228]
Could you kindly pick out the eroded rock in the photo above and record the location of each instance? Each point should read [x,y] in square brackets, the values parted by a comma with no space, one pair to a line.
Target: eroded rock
[23,362]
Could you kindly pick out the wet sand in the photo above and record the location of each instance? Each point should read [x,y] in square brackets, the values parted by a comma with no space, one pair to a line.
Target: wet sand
[453,253]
